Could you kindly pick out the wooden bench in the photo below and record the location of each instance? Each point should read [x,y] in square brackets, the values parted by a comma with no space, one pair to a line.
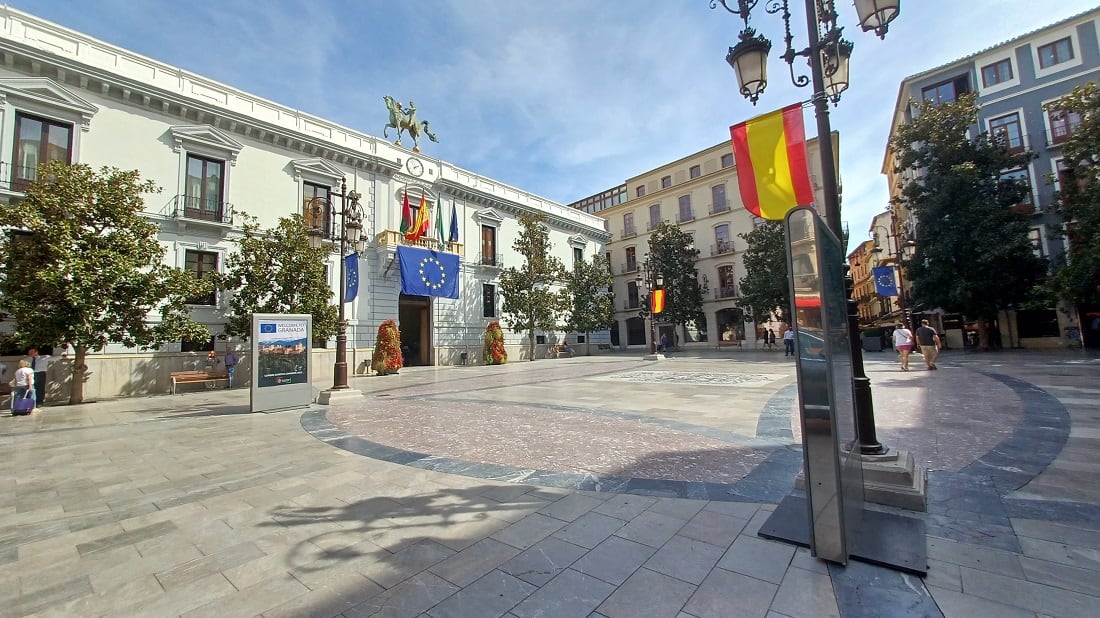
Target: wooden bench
[559,350]
[729,343]
[200,375]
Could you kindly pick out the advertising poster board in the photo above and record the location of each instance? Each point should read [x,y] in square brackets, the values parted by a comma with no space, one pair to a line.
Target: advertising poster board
[281,352]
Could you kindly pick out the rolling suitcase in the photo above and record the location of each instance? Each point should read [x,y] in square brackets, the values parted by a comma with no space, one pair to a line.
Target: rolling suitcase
[24,405]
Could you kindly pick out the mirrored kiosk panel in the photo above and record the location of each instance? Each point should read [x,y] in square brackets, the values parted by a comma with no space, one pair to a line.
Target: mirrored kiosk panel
[282,346]
[833,469]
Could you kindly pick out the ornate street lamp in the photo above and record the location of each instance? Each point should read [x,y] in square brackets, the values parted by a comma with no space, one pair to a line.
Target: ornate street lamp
[828,55]
[351,216]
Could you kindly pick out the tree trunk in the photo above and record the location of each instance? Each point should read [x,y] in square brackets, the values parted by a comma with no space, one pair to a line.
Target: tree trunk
[587,343]
[76,388]
[531,342]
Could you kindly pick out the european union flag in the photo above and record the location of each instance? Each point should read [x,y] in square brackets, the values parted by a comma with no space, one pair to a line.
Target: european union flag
[428,273]
[267,327]
[351,277]
[885,284]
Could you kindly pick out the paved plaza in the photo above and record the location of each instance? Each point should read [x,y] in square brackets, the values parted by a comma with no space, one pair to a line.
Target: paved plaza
[592,486]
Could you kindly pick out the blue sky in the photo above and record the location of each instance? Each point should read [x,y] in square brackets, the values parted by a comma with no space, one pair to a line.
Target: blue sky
[564,98]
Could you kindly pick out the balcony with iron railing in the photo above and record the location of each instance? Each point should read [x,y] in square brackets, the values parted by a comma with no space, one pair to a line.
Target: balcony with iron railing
[629,232]
[16,178]
[722,248]
[725,292]
[630,267]
[394,238]
[1058,134]
[196,208]
[718,207]
[495,260]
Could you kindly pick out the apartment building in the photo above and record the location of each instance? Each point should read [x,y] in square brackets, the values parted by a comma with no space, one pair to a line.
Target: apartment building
[1013,82]
[699,194]
[217,151]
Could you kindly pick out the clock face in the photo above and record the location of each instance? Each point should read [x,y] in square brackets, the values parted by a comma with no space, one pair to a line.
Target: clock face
[414,166]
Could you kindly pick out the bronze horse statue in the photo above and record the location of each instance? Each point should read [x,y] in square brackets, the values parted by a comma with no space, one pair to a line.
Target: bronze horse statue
[404,119]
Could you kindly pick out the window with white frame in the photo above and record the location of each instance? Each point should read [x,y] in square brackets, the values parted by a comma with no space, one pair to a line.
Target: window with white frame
[1057,52]
[1035,237]
[44,115]
[202,264]
[317,209]
[1062,123]
[997,72]
[1023,177]
[488,300]
[1007,128]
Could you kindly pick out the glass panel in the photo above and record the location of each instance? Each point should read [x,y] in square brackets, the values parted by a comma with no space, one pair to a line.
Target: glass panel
[718,197]
[58,140]
[213,192]
[722,235]
[28,149]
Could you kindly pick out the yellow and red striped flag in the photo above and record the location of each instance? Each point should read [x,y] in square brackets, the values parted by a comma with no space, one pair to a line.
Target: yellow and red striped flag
[773,175]
[657,302]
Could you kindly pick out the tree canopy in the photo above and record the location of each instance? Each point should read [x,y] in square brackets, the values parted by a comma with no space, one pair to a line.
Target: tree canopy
[673,254]
[1076,277]
[973,253]
[592,303]
[276,271]
[83,267]
[765,289]
[531,293]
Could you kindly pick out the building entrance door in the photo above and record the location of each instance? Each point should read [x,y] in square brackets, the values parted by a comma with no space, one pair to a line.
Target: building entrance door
[414,322]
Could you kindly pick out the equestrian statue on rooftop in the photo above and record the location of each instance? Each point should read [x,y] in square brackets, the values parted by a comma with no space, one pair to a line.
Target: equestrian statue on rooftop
[404,119]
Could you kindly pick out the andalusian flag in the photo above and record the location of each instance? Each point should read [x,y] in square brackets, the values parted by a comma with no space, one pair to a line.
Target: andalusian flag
[657,301]
[440,234]
[406,218]
[772,173]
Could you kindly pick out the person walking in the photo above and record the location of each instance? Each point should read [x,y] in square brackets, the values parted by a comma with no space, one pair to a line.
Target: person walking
[663,347]
[771,339]
[231,361]
[903,343]
[22,383]
[929,344]
[788,342]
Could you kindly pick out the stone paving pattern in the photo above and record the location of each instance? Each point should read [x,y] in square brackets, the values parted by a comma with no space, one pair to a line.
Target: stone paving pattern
[189,505]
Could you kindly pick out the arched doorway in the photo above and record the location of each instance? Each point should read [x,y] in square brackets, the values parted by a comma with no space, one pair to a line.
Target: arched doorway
[414,322]
[731,324]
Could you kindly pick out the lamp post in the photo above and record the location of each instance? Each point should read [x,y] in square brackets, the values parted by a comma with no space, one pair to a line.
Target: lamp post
[653,280]
[322,214]
[828,55]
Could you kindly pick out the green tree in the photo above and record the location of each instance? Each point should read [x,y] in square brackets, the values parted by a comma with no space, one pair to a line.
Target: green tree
[592,304]
[83,267]
[765,288]
[532,300]
[276,271]
[1076,277]
[973,254]
[672,254]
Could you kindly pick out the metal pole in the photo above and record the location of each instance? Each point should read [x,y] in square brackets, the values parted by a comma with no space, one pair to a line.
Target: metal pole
[861,384]
[340,369]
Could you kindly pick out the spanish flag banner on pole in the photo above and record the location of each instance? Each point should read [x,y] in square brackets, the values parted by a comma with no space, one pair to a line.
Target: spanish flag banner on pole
[657,302]
[773,175]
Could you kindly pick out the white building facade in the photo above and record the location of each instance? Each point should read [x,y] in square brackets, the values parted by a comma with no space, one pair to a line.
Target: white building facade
[217,152]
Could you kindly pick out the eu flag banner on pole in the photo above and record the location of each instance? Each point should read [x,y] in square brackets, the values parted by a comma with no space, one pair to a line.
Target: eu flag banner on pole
[428,273]
[351,277]
[885,284]
[773,175]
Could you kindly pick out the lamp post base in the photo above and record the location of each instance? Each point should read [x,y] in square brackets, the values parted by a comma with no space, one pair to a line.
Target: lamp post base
[339,396]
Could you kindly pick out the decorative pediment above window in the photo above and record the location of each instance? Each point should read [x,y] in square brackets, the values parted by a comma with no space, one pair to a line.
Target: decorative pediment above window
[579,241]
[207,137]
[317,167]
[488,216]
[46,92]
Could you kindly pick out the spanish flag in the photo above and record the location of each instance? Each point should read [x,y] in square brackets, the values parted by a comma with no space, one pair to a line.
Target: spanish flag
[420,225]
[773,175]
[657,302]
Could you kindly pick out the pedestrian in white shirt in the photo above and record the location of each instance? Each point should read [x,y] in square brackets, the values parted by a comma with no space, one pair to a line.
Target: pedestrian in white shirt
[40,364]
